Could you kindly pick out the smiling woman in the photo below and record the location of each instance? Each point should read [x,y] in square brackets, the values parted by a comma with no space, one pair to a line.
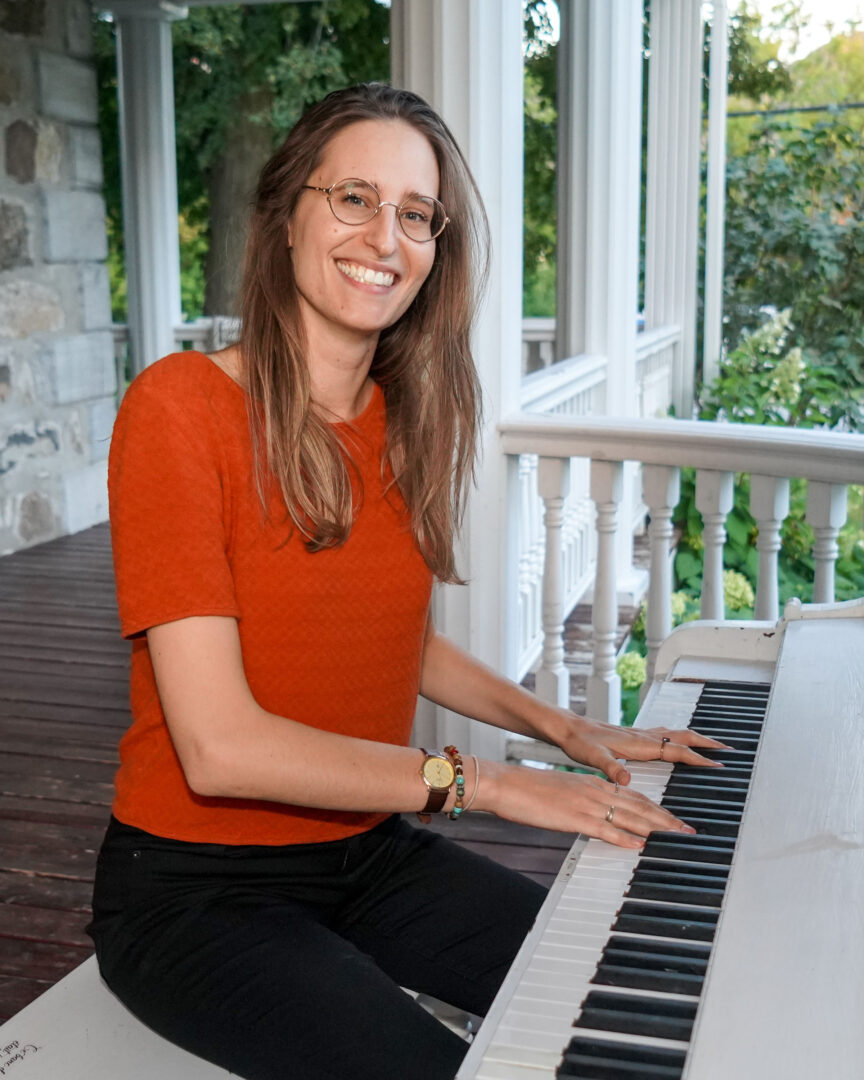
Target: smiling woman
[258,898]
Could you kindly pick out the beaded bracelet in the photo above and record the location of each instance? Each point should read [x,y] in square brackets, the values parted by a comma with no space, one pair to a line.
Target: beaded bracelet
[456,758]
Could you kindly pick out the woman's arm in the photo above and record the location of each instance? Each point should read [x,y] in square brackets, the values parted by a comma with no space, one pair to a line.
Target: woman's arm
[453,678]
[230,747]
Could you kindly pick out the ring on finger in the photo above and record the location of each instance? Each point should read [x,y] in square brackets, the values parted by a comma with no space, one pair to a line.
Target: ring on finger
[610,813]
[663,742]
[616,787]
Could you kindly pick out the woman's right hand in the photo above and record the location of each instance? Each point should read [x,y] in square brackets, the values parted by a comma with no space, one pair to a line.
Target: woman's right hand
[572,802]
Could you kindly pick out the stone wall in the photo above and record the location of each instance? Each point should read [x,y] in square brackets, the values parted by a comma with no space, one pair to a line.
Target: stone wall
[57,375]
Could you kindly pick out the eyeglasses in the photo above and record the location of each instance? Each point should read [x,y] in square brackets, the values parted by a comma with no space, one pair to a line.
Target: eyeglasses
[354,202]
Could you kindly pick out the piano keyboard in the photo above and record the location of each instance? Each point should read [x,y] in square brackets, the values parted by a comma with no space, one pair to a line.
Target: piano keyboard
[651,969]
[622,1007]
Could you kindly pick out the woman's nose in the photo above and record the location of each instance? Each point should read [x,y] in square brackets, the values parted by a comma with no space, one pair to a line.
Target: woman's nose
[382,231]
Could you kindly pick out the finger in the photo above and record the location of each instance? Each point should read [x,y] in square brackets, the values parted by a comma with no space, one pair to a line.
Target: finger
[677,752]
[615,769]
[633,811]
[694,738]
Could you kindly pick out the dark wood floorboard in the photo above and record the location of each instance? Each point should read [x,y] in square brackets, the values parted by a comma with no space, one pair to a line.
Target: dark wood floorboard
[63,708]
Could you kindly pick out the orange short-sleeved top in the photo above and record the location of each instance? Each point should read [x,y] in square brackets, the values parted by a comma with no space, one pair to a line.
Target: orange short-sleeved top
[331,639]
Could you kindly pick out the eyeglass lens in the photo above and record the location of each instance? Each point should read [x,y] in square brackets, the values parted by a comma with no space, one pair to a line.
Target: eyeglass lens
[356,201]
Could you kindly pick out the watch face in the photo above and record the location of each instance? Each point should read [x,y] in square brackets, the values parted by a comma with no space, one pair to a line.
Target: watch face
[439,772]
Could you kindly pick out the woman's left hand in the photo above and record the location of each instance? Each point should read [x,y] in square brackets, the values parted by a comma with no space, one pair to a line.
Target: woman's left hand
[599,746]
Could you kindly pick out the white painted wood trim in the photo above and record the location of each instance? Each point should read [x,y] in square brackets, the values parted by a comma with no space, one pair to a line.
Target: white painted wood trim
[834,457]
[149,174]
[718,75]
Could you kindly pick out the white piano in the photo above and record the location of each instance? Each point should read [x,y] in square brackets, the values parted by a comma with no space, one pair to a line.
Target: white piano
[737,954]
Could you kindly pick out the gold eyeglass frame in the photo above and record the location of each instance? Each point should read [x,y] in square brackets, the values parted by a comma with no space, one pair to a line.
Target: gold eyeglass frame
[328,191]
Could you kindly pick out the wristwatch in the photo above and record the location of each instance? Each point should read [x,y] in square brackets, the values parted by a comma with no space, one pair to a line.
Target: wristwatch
[438,775]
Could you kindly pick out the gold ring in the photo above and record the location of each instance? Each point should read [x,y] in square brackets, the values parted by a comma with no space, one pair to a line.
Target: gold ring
[610,814]
[663,742]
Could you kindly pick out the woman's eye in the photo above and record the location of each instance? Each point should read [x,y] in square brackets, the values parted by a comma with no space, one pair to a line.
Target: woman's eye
[353,199]
[415,215]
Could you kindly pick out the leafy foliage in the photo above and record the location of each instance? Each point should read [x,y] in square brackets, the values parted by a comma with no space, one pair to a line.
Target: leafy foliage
[540,134]
[795,238]
[755,68]
[765,380]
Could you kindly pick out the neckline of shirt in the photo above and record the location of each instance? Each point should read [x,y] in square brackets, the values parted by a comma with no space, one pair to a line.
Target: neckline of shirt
[367,412]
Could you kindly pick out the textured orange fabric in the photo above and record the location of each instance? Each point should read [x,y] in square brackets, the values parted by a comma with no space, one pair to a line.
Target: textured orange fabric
[331,639]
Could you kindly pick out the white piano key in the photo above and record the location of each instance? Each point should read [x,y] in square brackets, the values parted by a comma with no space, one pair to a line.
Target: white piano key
[507,1070]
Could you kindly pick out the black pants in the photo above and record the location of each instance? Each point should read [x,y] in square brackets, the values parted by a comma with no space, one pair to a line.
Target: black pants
[285,963]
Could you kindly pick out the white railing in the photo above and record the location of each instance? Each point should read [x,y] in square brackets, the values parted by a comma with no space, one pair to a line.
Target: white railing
[829,461]
[538,344]
[207,334]
[575,388]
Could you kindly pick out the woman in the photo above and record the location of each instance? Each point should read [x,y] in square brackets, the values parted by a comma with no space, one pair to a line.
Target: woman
[279,511]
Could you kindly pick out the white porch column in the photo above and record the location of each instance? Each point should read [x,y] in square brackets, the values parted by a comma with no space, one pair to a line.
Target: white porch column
[465,58]
[672,213]
[599,177]
[145,81]
[712,325]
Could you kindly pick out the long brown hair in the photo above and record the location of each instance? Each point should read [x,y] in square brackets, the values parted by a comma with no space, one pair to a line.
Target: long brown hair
[422,363]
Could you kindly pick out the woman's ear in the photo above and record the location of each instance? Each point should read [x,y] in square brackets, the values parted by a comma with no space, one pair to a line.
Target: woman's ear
[290,233]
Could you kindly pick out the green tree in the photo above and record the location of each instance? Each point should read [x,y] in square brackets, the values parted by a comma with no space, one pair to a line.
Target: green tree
[795,240]
[242,76]
[540,121]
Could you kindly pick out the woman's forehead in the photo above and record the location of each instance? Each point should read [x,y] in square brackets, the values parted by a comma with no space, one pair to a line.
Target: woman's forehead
[387,153]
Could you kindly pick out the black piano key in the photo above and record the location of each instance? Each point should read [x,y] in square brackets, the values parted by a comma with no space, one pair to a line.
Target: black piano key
[710,793]
[710,851]
[744,714]
[662,1018]
[731,709]
[599,1059]
[740,771]
[643,964]
[743,724]
[728,757]
[663,982]
[695,874]
[721,809]
[700,895]
[733,741]
[666,920]
[681,951]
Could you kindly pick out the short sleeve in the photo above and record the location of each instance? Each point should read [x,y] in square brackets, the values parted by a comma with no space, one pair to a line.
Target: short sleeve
[169,509]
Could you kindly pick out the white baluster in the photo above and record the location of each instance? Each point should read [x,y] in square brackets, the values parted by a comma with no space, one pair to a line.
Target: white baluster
[769,505]
[538,547]
[661,486]
[604,685]
[553,679]
[826,513]
[714,495]
[526,497]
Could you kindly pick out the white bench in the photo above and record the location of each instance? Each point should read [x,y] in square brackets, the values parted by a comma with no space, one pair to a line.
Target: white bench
[78,1030]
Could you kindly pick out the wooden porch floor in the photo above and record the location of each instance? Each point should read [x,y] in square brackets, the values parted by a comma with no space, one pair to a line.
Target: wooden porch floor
[63,708]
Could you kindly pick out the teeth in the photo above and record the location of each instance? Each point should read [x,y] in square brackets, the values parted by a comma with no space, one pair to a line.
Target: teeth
[365,274]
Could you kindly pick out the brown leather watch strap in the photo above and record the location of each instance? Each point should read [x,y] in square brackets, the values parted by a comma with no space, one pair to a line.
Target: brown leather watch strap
[434,805]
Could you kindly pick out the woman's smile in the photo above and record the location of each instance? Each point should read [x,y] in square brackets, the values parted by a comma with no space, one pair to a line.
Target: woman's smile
[366,275]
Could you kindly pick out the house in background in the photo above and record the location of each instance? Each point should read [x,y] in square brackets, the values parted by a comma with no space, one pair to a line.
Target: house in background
[530,548]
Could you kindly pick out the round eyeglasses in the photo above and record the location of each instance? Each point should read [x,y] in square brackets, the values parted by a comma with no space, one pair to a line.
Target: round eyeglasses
[354,202]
